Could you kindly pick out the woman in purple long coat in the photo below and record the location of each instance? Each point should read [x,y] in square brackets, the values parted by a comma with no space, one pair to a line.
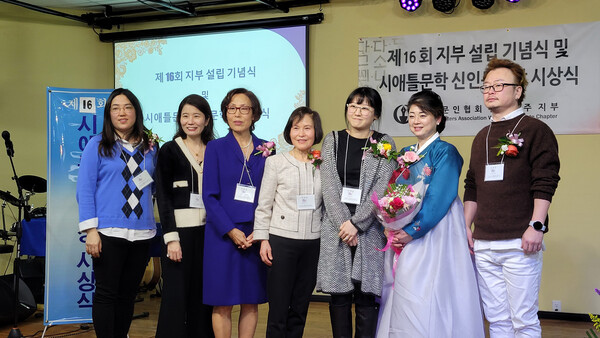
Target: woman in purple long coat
[233,271]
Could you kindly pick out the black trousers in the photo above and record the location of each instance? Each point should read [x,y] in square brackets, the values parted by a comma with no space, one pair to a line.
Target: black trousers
[118,272]
[182,312]
[357,297]
[290,283]
[366,309]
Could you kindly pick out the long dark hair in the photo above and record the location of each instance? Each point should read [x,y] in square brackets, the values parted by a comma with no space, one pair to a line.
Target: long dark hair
[202,105]
[105,147]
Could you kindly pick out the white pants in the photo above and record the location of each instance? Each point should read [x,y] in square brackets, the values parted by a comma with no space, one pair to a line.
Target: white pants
[509,283]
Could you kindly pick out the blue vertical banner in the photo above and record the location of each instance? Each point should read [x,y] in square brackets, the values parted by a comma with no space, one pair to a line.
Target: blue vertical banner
[74,116]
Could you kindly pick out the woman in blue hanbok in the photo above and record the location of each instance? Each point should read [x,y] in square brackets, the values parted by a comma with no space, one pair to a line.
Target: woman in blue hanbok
[431,291]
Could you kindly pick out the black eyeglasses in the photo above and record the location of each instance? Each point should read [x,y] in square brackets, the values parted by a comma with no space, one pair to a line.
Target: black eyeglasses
[498,87]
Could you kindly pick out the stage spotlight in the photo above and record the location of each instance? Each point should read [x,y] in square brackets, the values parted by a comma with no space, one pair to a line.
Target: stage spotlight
[512,1]
[410,5]
[483,4]
[444,5]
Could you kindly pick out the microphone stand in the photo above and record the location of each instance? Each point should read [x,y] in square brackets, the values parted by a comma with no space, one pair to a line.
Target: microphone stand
[15,332]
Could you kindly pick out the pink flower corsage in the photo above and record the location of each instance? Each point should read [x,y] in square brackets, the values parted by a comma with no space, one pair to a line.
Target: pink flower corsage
[265,149]
[153,139]
[405,160]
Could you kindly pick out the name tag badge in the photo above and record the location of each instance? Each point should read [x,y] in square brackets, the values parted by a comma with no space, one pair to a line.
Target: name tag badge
[494,172]
[244,193]
[306,202]
[351,195]
[196,201]
[142,180]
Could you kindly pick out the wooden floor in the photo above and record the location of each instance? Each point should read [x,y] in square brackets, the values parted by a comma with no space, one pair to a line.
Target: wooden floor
[317,325]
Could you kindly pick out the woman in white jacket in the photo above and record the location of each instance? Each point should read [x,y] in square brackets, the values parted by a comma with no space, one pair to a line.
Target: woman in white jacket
[288,224]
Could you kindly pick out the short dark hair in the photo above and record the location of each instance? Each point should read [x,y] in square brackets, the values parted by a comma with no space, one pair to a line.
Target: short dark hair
[256,109]
[515,68]
[430,102]
[362,94]
[105,147]
[297,115]
[202,105]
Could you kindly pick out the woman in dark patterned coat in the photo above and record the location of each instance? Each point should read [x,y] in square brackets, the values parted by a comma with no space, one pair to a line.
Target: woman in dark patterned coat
[350,269]
[178,188]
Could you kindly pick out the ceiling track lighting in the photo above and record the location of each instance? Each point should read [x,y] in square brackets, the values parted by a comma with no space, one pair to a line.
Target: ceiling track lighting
[483,4]
[445,6]
[410,5]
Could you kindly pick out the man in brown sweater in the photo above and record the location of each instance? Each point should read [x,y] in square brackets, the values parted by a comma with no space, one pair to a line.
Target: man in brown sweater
[512,177]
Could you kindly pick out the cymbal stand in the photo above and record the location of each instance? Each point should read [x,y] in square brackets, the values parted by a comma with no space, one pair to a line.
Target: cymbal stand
[15,332]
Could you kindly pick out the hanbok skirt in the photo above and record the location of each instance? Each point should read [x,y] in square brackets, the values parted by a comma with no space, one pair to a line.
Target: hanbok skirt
[434,292]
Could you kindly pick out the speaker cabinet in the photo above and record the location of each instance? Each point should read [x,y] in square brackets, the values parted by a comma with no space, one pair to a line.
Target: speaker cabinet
[32,272]
[26,306]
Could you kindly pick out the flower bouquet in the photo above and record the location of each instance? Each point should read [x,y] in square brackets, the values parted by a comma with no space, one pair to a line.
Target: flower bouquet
[596,320]
[397,208]
[399,204]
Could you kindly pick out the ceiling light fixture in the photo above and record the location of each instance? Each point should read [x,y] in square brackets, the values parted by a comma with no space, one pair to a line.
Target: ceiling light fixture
[410,5]
[483,4]
[446,6]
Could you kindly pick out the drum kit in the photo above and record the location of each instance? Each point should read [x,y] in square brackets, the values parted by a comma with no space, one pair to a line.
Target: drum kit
[32,185]
[27,186]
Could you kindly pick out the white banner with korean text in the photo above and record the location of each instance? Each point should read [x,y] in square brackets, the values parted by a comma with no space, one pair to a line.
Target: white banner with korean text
[561,62]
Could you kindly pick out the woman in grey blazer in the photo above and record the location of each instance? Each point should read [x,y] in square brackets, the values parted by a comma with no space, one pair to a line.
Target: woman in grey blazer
[288,223]
[350,268]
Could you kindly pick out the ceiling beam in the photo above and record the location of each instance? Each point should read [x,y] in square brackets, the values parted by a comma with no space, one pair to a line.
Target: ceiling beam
[110,17]
[243,6]
[186,30]
[45,10]
[274,5]
[189,12]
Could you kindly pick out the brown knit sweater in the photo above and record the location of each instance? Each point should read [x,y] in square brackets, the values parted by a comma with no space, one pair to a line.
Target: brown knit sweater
[504,208]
